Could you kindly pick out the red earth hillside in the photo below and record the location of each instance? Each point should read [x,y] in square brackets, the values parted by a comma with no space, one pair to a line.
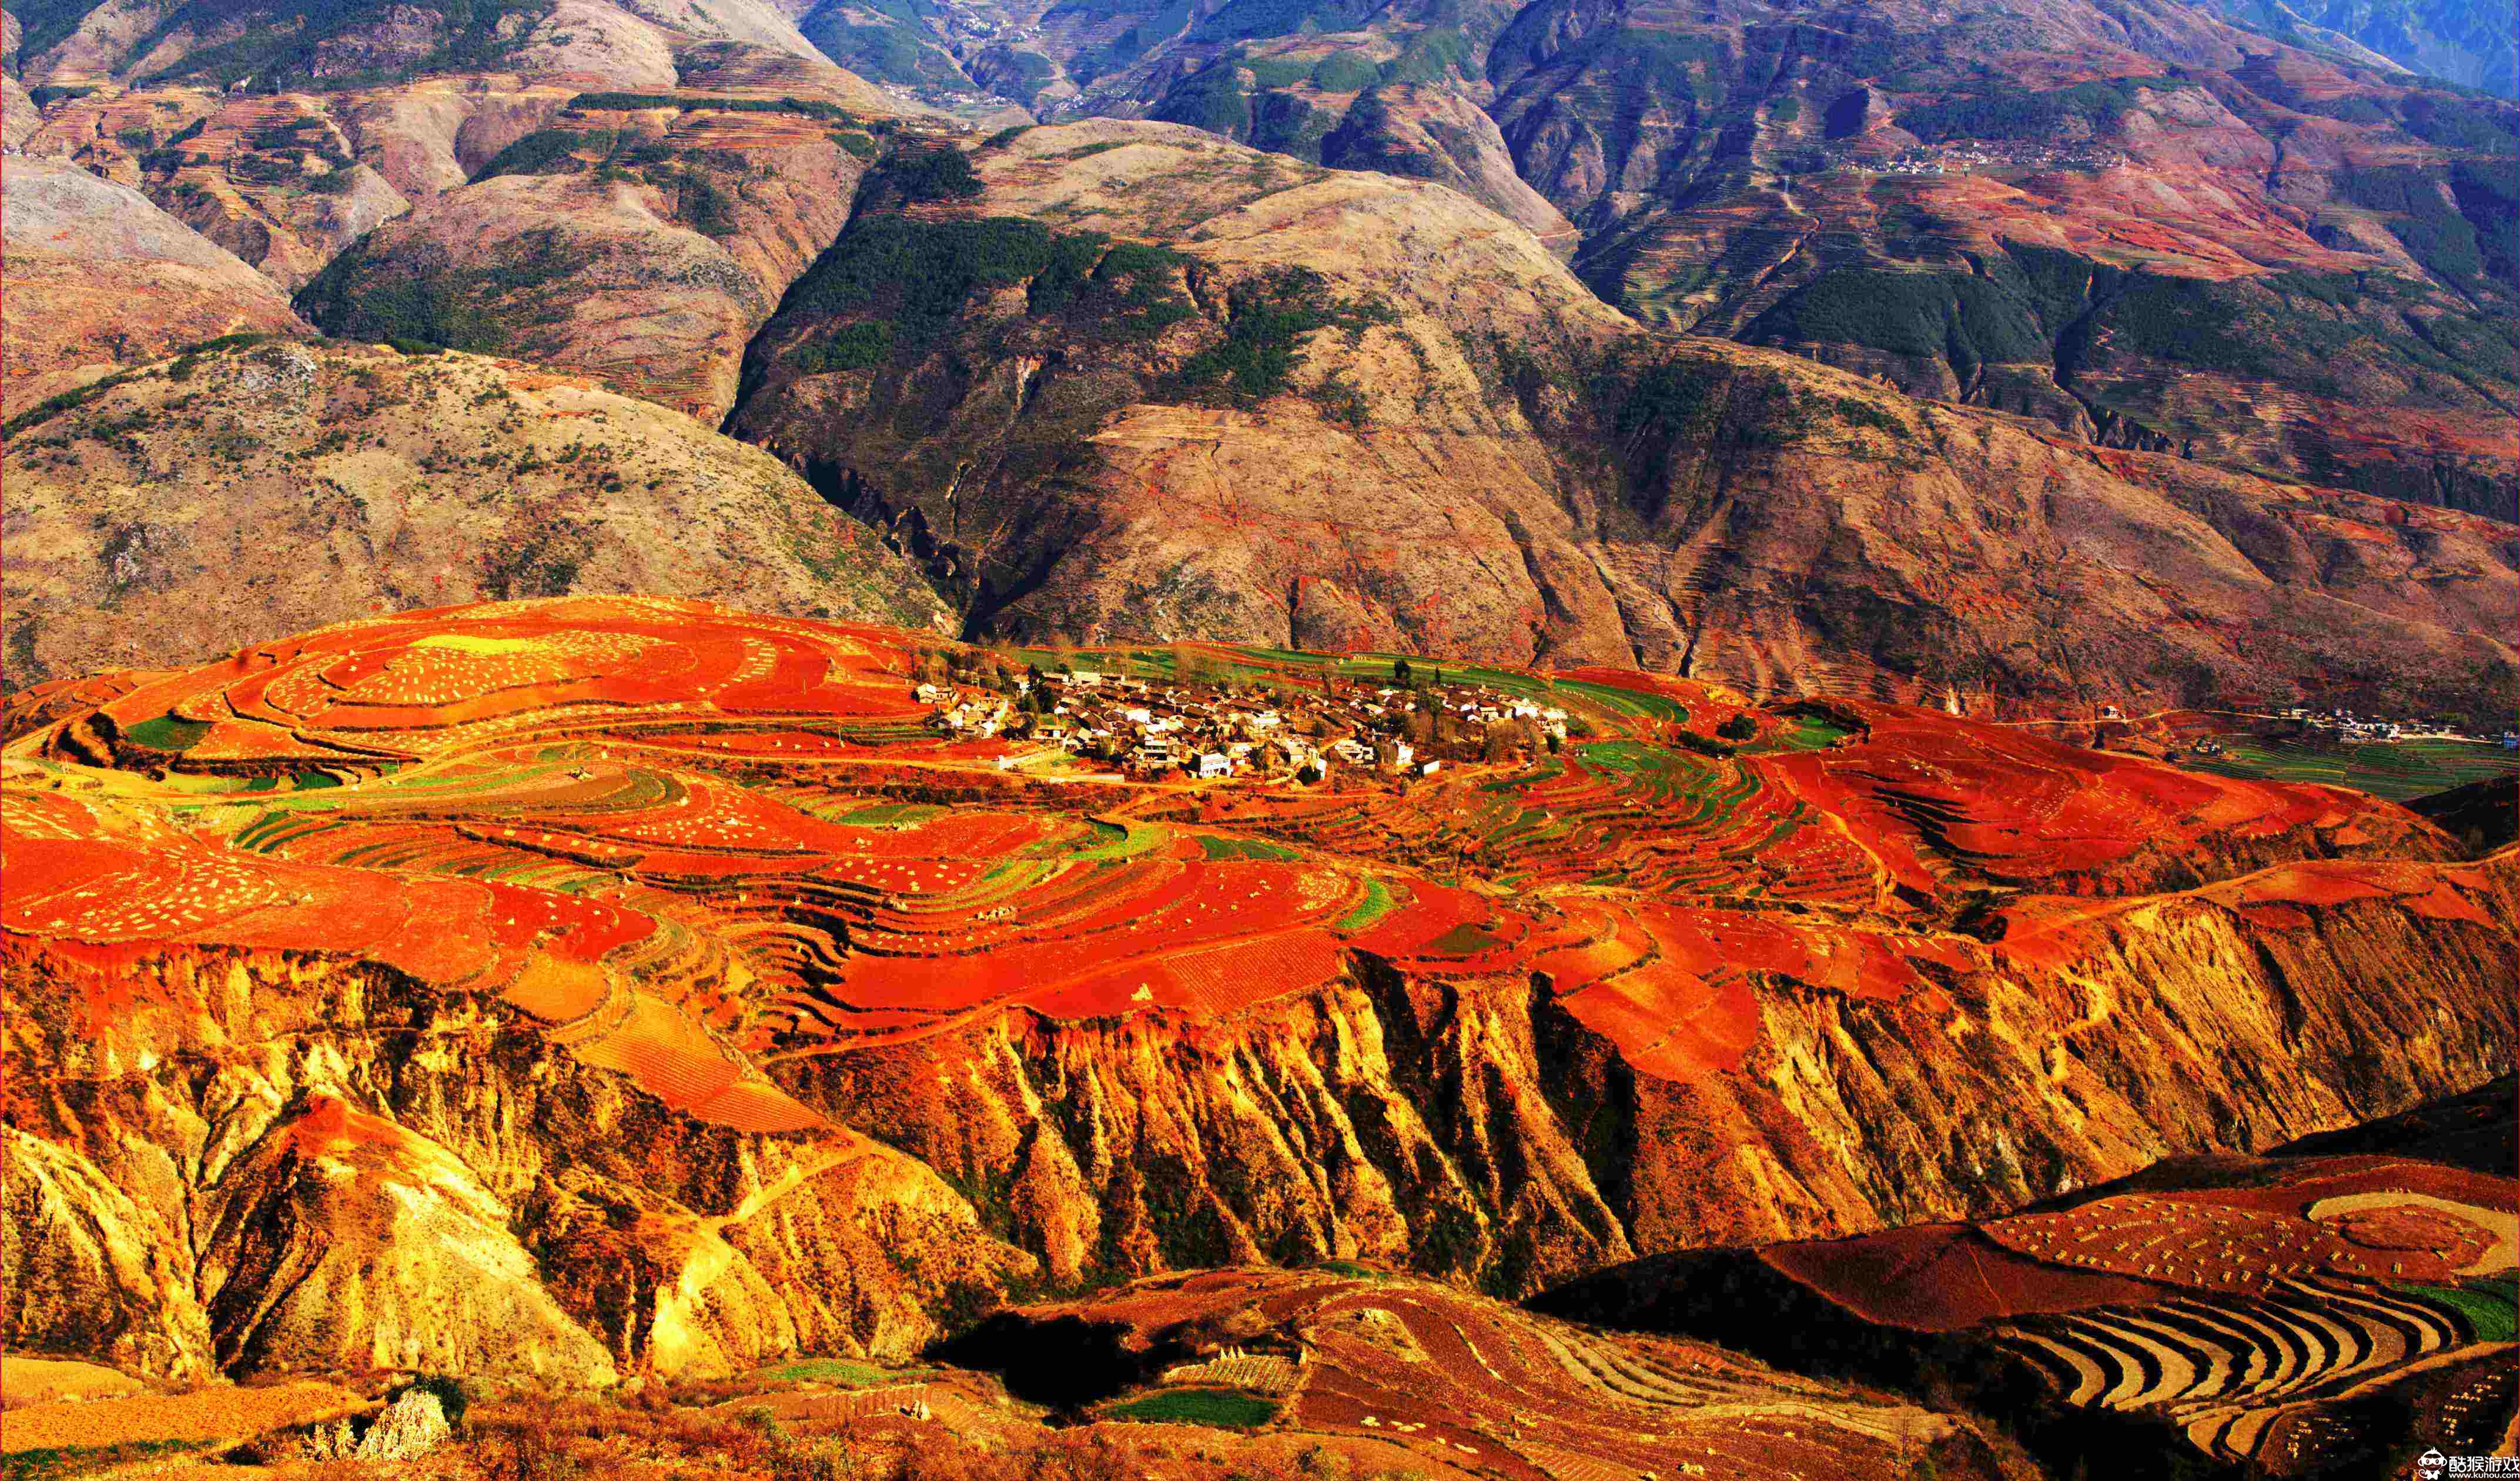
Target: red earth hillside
[675,834]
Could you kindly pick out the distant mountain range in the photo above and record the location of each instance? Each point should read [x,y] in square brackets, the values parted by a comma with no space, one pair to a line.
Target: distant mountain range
[2463,41]
[1807,346]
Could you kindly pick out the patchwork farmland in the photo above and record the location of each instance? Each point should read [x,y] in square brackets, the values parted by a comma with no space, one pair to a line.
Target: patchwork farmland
[698,845]
[1639,967]
[1480,1387]
[2285,1316]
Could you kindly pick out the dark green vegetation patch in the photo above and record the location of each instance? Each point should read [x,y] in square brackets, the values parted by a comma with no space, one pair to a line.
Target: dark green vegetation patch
[2484,1304]
[900,283]
[393,292]
[884,41]
[2398,770]
[2032,115]
[60,1462]
[1973,321]
[1266,115]
[278,44]
[811,107]
[67,401]
[169,733]
[1265,324]
[701,201]
[911,173]
[1215,1408]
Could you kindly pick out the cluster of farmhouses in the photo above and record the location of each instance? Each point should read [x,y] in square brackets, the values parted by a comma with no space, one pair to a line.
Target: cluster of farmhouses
[1153,727]
[1970,158]
[2350,725]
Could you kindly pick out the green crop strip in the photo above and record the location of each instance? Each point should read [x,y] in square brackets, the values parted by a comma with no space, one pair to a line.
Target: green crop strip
[1216,1408]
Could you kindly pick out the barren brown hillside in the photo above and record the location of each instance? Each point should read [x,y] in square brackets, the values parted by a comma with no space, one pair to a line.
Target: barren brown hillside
[229,495]
[1346,410]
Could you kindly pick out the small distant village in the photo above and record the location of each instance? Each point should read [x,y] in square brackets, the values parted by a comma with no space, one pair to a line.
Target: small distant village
[1981,155]
[2339,727]
[1154,729]
[2353,728]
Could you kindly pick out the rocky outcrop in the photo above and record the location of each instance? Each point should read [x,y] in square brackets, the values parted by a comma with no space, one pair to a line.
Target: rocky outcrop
[18,117]
[271,179]
[279,1161]
[436,134]
[249,492]
[1423,132]
[343,1240]
[228,1173]
[93,1271]
[1474,1129]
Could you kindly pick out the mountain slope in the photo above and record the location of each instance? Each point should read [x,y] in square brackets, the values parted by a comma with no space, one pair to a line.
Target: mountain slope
[97,276]
[189,507]
[2146,225]
[640,244]
[1339,410]
[2458,40]
[275,44]
[2149,227]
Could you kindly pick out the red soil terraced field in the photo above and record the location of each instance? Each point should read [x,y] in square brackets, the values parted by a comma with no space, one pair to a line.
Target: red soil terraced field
[695,845]
[2255,1293]
[1466,1384]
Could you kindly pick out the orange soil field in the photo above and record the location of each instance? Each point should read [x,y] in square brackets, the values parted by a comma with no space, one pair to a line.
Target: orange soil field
[1460,1380]
[691,841]
[206,1415]
[2237,1311]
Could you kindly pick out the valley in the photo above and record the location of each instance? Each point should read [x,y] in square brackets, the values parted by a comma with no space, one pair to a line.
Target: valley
[1257,741]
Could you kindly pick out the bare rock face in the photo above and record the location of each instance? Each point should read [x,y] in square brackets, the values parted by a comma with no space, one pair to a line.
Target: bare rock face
[585,38]
[345,1241]
[436,134]
[18,118]
[91,1270]
[97,277]
[18,114]
[411,1427]
[1472,1128]
[1343,410]
[508,1212]
[309,484]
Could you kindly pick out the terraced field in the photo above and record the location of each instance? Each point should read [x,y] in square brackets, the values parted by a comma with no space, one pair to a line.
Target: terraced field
[2397,770]
[2243,1310]
[1457,1382]
[698,845]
